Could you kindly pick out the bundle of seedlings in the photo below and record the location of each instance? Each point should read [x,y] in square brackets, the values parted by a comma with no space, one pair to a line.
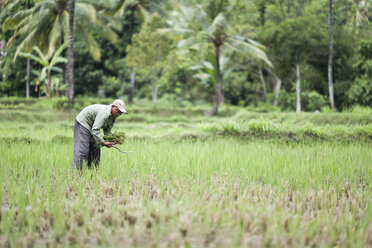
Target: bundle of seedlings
[117,137]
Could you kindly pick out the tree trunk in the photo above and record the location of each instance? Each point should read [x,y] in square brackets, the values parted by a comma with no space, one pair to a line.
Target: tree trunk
[278,84]
[28,78]
[298,89]
[330,57]
[28,66]
[219,82]
[64,71]
[71,53]
[263,83]
[154,91]
[48,85]
[132,82]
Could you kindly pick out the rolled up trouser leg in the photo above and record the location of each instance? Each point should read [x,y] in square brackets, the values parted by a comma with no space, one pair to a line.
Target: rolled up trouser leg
[81,145]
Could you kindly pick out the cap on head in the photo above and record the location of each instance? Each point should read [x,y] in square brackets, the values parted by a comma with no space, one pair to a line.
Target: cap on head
[120,105]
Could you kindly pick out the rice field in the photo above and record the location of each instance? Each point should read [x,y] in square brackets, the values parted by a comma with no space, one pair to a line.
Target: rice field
[203,183]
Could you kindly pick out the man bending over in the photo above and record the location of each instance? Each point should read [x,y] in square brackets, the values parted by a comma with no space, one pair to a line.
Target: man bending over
[87,133]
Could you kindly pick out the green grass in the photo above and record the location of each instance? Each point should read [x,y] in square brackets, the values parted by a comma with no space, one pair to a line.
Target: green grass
[219,183]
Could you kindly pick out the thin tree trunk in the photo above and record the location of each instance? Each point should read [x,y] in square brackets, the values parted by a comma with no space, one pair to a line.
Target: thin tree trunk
[28,78]
[330,57]
[64,70]
[71,53]
[28,66]
[263,83]
[219,82]
[298,89]
[278,84]
[154,91]
[132,82]
[48,86]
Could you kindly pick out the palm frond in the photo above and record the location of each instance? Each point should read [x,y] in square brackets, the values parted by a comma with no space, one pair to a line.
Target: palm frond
[248,49]
[60,49]
[219,21]
[106,33]
[85,13]
[57,60]
[40,53]
[33,57]
[11,22]
[93,47]
[57,69]
[142,13]
[54,36]
[23,43]
[64,24]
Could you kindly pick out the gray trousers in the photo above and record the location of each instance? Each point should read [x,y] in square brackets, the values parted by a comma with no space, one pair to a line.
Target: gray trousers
[86,151]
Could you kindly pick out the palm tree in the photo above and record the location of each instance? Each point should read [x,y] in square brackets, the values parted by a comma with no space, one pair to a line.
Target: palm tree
[48,64]
[5,7]
[46,25]
[208,25]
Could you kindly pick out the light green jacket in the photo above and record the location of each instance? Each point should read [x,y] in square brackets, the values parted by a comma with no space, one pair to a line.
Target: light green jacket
[95,117]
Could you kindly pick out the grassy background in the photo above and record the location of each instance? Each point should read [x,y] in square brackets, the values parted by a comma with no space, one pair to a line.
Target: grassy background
[240,179]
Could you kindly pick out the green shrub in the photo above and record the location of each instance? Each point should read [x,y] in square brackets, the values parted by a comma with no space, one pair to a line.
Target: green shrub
[229,127]
[363,131]
[360,93]
[312,101]
[361,110]
[311,130]
[261,126]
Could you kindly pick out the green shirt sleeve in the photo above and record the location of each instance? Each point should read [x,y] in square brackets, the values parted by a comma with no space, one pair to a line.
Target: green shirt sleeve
[97,125]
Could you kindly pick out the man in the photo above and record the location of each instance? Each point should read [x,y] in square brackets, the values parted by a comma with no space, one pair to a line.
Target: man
[87,133]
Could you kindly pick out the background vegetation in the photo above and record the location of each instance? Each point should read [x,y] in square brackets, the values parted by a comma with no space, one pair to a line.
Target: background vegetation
[167,50]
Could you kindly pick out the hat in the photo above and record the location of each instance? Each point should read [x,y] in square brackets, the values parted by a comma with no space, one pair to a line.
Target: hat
[120,105]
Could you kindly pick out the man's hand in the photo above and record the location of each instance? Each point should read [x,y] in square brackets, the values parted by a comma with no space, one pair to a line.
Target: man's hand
[108,144]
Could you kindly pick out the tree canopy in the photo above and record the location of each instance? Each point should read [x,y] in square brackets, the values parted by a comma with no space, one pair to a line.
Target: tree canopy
[239,52]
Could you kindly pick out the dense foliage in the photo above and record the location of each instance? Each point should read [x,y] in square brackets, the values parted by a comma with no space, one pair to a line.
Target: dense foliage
[118,42]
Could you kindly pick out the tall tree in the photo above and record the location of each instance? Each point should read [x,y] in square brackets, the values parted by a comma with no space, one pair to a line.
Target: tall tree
[330,56]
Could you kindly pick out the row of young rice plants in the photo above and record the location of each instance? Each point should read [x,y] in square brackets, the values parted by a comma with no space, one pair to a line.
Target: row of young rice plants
[220,191]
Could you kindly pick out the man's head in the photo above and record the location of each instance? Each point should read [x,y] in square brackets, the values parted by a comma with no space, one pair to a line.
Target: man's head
[118,107]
